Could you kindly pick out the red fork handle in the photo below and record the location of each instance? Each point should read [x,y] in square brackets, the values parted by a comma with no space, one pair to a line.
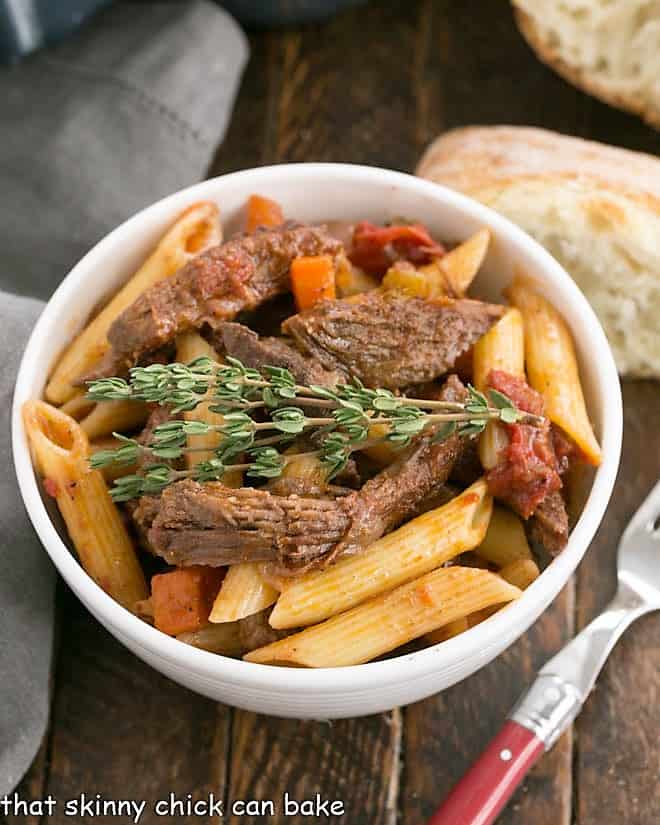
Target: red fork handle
[488,785]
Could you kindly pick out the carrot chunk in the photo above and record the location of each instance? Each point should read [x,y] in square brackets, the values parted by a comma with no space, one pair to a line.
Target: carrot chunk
[182,599]
[312,280]
[263,212]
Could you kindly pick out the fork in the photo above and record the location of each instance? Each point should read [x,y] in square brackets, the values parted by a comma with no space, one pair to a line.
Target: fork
[562,686]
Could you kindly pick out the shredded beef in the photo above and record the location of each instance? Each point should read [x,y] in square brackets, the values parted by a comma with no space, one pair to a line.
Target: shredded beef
[215,525]
[241,342]
[548,526]
[215,286]
[390,340]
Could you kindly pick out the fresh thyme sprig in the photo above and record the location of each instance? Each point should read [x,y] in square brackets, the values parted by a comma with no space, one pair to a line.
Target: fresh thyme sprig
[236,392]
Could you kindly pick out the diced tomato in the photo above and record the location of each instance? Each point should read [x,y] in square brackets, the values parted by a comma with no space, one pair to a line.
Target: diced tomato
[529,469]
[375,248]
[518,390]
[182,599]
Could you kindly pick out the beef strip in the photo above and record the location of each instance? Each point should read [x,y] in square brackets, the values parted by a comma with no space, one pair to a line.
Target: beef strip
[215,525]
[548,527]
[215,286]
[392,496]
[241,342]
[391,340]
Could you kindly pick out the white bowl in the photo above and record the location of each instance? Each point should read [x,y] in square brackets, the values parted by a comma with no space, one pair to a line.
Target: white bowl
[314,192]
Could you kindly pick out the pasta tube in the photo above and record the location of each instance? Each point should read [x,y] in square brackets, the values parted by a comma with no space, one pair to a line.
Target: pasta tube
[387,621]
[552,366]
[414,549]
[60,449]
[78,406]
[520,573]
[244,592]
[109,417]
[450,275]
[501,348]
[461,265]
[191,345]
[449,630]
[505,540]
[196,229]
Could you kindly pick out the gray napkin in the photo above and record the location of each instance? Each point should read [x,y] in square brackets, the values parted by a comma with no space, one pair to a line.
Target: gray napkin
[127,111]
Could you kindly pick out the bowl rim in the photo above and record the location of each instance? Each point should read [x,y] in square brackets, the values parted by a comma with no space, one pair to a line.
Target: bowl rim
[508,623]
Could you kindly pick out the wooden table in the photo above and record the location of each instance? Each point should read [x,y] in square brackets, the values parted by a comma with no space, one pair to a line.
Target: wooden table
[374,86]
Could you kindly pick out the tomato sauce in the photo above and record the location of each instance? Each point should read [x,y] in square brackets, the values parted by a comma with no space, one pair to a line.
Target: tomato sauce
[375,248]
[528,469]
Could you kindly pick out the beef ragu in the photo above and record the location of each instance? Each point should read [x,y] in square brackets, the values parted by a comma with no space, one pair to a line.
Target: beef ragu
[357,443]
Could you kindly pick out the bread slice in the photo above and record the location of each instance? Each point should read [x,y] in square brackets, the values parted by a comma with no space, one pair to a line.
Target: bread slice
[609,48]
[595,207]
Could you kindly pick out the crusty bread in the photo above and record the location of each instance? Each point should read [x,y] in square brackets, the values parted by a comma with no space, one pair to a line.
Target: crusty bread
[609,48]
[596,208]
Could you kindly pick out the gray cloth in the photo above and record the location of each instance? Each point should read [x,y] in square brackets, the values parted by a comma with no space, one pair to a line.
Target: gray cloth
[128,110]
[91,131]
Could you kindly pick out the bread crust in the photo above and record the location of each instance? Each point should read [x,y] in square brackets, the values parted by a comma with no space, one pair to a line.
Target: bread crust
[604,226]
[473,159]
[634,104]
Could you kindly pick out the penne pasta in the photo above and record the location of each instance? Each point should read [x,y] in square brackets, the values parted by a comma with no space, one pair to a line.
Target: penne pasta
[505,541]
[78,406]
[60,449]
[216,638]
[520,573]
[414,549]
[196,229]
[501,348]
[109,417]
[448,631]
[244,592]
[461,265]
[189,346]
[389,620]
[552,366]
[450,275]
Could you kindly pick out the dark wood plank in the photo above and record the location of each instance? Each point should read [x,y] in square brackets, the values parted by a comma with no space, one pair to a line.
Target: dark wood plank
[618,751]
[352,761]
[445,734]
[123,730]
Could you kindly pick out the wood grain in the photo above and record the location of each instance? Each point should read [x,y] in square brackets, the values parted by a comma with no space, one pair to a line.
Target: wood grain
[618,751]
[355,761]
[126,732]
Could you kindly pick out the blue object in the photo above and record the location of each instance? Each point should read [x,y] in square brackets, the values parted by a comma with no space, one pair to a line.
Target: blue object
[285,12]
[26,25]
